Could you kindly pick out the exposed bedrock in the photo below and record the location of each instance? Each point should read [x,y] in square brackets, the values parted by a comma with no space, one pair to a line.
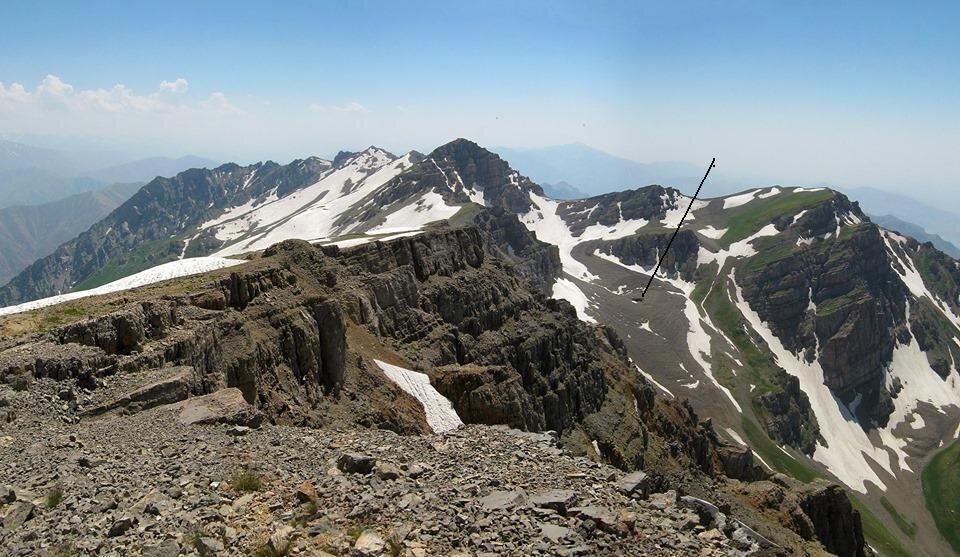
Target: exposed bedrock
[646,249]
[839,296]
[293,334]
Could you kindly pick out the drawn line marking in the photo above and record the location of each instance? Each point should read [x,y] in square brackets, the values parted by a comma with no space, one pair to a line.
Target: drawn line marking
[677,231]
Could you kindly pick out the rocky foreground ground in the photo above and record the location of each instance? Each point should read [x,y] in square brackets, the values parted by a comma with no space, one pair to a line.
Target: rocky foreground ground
[148,483]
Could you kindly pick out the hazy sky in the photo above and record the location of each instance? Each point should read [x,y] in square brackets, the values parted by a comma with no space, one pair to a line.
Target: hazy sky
[840,92]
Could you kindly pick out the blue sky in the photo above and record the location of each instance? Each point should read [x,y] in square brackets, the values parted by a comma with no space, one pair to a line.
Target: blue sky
[863,93]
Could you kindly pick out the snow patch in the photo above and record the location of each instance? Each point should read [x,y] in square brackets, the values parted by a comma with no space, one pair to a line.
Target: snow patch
[713,233]
[738,200]
[566,289]
[167,271]
[440,414]
[657,383]
[848,446]
[549,227]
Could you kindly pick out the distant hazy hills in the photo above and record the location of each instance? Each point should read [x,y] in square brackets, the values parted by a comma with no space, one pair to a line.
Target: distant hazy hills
[891,222]
[592,171]
[32,175]
[30,232]
[931,219]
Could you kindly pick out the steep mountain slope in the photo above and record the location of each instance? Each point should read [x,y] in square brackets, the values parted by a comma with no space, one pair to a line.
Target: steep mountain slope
[32,231]
[301,336]
[824,342]
[800,322]
[145,230]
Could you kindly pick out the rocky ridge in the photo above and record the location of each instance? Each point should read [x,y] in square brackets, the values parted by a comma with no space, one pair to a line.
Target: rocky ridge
[294,334]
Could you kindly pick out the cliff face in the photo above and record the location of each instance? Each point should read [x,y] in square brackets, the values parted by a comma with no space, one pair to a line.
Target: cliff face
[836,299]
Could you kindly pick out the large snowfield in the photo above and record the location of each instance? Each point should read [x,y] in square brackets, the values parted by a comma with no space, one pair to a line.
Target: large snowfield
[167,271]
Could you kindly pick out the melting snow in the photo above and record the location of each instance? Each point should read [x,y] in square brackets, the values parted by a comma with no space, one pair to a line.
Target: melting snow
[736,436]
[911,276]
[713,233]
[549,227]
[654,381]
[430,207]
[171,270]
[738,200]
[771,193]
[309,212]
[848,446]
[743,248]
[566,289]
[440,413]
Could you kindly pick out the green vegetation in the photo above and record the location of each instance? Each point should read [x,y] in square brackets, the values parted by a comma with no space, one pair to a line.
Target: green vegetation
[726,316]
[876,533]
[246,479]
[769,250]
[834,304]
[941,489]
[269,550]
[465,215]
[772,455]
[55,497]
[58,315]
[907,528]
[761,212]
[148,255]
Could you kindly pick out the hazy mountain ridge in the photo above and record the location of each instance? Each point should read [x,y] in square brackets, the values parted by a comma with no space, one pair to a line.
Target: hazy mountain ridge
[32,175]
[895,224]
[33,231]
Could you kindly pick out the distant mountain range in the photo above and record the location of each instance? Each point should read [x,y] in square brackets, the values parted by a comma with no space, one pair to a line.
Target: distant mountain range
[29,232]
[32,175]
[593,171]
[932,219]
[891,222]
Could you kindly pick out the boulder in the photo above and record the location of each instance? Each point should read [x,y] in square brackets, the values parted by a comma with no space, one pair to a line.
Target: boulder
[17,514]
[226,406]
[635,483]
[555,499]
[352,463]
[369,543]
[501,500]
[174,387]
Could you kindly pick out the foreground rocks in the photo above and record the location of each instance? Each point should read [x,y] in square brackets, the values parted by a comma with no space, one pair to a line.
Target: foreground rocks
[149,483]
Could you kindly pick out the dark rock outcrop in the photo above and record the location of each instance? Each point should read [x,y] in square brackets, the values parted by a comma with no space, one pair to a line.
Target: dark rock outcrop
[833,520]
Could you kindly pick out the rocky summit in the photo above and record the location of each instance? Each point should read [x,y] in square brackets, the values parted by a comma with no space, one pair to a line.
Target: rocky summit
[426,355]
[246,411]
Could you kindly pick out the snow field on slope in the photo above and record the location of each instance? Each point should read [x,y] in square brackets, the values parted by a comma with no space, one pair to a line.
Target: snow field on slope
[167,271]
[911,277]
[549,227]
[566,289]
[440,414]
[743,248]
[430,207]
[307,213]
[698,339]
